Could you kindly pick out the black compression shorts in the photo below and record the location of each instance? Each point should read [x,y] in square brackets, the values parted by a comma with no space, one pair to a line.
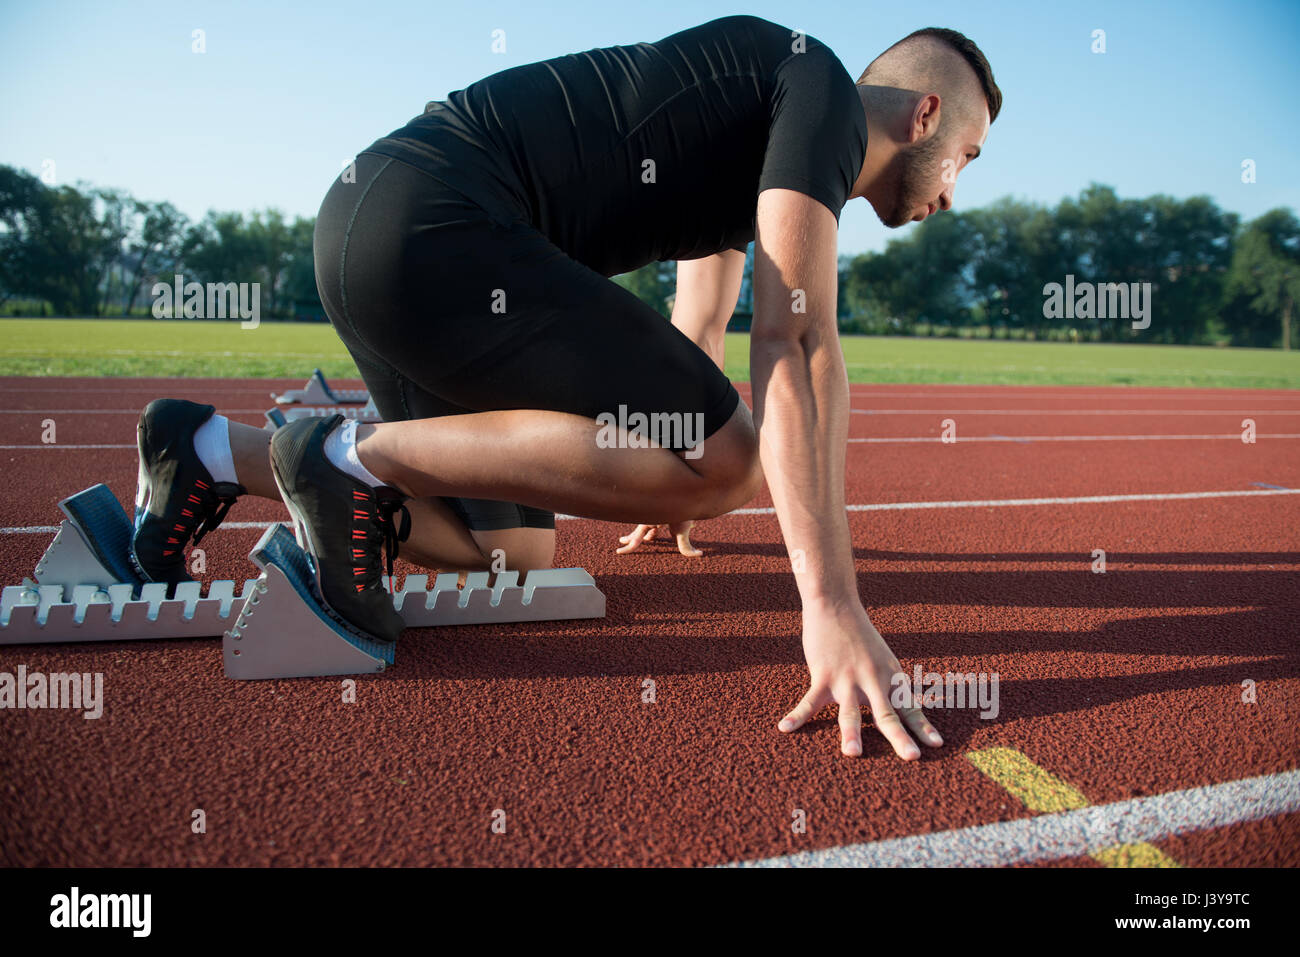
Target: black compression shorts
[451,304]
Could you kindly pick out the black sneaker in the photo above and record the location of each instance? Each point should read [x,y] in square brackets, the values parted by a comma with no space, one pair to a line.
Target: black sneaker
[175,496]
[344,524]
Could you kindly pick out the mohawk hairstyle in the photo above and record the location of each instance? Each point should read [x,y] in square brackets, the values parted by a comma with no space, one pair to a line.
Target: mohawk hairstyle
[970,53]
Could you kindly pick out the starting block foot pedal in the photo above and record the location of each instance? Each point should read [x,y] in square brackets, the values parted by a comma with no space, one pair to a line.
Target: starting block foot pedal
[318,392]
[284,632]
[277,417]
[92,545]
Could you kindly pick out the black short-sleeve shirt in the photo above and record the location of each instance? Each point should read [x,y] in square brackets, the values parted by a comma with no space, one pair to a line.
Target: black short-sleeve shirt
[627,155]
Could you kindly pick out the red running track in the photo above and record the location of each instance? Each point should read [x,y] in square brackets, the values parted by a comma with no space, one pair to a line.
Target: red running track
[1125,684]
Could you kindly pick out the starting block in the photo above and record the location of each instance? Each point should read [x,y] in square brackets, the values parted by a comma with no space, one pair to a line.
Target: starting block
[277,417]
[284,632]
[548,594]
[86,590]
[318,392]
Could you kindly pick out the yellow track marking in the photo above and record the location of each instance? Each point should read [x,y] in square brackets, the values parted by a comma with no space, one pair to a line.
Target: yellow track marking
[1043,792]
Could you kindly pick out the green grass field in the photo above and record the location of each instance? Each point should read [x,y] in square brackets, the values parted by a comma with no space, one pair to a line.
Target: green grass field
[150,347]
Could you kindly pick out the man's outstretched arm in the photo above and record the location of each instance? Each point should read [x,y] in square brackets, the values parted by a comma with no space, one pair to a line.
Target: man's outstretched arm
[801,410]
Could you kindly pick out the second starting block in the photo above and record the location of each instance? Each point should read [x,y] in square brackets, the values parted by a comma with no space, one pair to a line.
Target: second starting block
[318,392]
[86,590]
[276,416]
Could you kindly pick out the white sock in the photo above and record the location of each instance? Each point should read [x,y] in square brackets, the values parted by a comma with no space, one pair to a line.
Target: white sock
[212,443]
[341,450]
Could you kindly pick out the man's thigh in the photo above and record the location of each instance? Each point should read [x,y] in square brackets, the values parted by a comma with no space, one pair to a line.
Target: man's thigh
[552,334]
[454,309]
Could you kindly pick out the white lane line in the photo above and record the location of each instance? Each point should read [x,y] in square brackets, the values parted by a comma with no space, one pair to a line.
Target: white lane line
[1068,833]
[1120,392]
[1235,436]
[51,529]
[938,390]
[878,507]
[1165,372]
[937,410]
[943,410]
[313,357]
[901,440]
[153,387]
[921,440]
[1070,500]
[269,400]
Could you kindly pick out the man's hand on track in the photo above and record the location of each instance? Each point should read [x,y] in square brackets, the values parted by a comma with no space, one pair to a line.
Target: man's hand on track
[646,533]
[850,664]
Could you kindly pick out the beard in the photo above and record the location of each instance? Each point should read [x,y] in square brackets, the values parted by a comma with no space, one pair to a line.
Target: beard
[911,181]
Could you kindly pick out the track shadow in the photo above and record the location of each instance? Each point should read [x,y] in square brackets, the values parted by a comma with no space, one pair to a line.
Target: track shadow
[705,593]
[1081,558]
[568,650]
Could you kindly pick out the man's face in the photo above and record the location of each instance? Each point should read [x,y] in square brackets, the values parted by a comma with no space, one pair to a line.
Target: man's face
[923,176]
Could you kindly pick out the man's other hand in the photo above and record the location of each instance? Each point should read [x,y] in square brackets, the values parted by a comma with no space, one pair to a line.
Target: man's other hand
[646,533]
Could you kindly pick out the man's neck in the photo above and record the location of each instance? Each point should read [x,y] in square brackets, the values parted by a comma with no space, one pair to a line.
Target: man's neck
[879,104]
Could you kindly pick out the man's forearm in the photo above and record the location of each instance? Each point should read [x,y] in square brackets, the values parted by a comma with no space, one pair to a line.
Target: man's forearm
[706,332]
[707,290]
[801,400]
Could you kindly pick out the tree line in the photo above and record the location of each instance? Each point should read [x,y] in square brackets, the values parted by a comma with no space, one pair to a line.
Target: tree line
[1000,271]
[1205,276]
[87,252]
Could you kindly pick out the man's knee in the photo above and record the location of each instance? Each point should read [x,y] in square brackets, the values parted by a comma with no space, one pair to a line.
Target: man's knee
[734,474]
[734,489]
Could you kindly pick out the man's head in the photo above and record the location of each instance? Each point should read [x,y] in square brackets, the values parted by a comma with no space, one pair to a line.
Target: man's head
[931,98]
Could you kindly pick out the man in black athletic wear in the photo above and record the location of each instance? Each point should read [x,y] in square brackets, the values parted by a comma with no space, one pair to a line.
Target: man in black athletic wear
[466,266]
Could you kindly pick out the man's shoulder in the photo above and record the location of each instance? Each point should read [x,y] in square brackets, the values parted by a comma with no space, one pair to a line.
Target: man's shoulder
[748,20]
[741,24]
[755,40]
[794,39]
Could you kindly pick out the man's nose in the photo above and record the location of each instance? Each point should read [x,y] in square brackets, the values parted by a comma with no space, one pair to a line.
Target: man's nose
[945,198]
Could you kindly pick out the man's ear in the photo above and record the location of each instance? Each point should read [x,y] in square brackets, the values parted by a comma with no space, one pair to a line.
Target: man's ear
[925,118]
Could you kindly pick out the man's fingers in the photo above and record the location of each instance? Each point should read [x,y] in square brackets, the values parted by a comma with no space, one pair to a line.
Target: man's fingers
[685,547]
[850,723]
[632,540]
[890,724]
[816,699]
[915,719]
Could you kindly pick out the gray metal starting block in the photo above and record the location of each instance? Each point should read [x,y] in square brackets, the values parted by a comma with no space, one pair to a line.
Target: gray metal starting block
[277,416]
[86,590]
[318,392]
[548,594]
[283,631]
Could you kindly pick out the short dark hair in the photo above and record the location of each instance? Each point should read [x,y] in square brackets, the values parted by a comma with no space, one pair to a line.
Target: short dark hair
[971,53]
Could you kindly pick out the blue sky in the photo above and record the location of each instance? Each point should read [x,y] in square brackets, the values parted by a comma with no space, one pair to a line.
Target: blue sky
[288,91]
